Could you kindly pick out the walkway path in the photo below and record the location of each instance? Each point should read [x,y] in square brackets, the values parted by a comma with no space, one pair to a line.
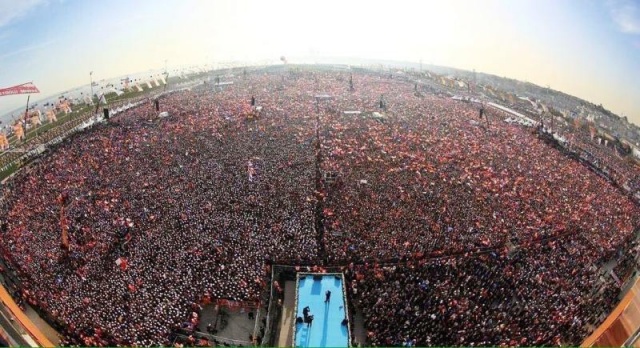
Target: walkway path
[285,338]
[44,327]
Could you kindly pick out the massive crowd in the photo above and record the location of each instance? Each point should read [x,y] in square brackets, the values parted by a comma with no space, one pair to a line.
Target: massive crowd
[496,237]
[175,203]
[541,295]
[434,179]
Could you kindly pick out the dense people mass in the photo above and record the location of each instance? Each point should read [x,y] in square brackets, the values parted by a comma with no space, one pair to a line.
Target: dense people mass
[495,238]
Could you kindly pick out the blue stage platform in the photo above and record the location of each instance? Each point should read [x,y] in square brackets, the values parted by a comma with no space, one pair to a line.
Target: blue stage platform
[326,329]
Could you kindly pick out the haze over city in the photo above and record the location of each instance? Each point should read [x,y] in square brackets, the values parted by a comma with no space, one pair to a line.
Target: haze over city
[590,49]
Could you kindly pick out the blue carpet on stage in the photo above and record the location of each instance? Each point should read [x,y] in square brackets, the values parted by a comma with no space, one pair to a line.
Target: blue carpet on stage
[326,329]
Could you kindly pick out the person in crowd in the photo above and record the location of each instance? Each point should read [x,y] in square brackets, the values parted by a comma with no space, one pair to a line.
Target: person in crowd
[450,231]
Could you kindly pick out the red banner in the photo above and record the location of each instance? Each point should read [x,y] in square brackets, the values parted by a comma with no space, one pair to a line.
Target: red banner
[24,88]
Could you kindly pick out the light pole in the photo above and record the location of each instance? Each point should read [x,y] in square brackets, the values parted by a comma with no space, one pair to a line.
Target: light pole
[91,85]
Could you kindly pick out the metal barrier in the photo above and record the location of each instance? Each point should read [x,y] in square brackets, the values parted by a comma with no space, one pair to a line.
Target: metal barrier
[217,339]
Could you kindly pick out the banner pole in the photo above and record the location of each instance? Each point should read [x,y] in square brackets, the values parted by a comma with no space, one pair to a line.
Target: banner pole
[26,113]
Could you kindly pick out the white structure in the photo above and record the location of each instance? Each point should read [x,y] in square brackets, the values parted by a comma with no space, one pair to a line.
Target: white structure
[636,152]
[513,112]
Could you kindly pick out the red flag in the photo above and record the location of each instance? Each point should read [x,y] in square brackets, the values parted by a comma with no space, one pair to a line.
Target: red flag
[123,263]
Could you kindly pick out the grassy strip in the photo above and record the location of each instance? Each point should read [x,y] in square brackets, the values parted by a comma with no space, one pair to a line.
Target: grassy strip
[63,118]
[7,172]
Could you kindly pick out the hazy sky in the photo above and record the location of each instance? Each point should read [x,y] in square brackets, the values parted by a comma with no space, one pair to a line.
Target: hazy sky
[586,48]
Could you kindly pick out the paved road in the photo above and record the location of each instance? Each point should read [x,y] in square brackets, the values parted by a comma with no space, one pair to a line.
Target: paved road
[8,326]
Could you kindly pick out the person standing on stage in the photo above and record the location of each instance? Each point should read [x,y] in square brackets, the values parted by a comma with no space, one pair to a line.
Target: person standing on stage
[305,312]
[309,320]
